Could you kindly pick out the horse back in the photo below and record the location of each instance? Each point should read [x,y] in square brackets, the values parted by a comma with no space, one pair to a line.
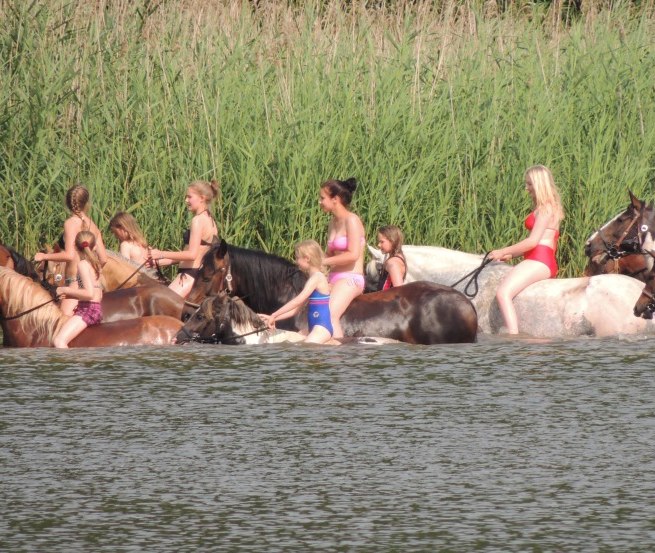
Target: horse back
[419,313]
[153,330]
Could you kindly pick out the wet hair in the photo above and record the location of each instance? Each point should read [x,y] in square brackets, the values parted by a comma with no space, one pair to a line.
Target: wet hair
[545,192]
[126,222]
[207,189]
[344,189]
[77,199]
[312,250]
[395,236]
[85,242]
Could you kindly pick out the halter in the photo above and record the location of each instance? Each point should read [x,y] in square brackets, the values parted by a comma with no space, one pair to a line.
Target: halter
[650,306]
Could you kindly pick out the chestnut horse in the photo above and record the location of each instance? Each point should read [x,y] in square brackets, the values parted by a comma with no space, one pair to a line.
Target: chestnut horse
[127,303]
[225,319]
[420,313]
[30,318]
[615,248]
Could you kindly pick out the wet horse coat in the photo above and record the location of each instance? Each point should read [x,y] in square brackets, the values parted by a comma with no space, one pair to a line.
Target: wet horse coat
[563,307]
[19,294]
[424,313]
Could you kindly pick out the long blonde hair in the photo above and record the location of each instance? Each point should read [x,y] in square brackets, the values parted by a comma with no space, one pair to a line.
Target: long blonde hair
[312,250]
[127,223]
[85,242]
[545,191]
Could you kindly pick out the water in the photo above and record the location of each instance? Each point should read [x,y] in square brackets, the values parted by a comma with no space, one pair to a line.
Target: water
[497,446]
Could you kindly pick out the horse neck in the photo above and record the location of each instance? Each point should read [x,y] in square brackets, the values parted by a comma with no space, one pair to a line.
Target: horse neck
[264,281]
[119,272]
[437,264]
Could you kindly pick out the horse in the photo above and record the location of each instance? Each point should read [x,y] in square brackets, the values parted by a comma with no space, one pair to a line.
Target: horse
[225,319]
[615,248]
[424,313]
[601,305]
[118,272]
[30,318]
[148,299]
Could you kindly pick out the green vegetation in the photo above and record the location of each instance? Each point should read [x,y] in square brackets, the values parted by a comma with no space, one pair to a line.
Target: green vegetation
[436,107]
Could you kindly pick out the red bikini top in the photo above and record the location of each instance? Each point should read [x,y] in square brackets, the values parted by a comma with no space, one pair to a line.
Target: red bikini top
[529,224]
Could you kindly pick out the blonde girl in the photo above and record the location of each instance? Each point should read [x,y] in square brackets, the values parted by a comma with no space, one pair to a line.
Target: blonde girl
[538,249]
[394,268]
[197,239]
[316,294]
[345,247]
[77,201]
[132,243]
[88,311]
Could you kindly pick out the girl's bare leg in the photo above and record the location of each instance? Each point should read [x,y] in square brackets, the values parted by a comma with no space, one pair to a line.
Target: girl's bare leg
[343,292]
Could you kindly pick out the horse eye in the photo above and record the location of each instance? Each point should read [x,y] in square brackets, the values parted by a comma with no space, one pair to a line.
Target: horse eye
[644,228]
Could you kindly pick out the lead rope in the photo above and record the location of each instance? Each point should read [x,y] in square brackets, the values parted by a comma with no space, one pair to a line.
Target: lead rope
[474,278]
[27,312]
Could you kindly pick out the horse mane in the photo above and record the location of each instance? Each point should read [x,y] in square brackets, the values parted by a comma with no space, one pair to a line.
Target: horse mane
[241,315]
[21,264]
[267,280]
[22,293]
[130,266]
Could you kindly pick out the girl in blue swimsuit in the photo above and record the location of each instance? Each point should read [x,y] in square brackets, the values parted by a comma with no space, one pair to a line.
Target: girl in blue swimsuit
[316,294]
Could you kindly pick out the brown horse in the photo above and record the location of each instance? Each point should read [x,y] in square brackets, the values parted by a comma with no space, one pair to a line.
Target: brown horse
[615,248]
[30,318]
[127,303]
[117,273]
[417,313]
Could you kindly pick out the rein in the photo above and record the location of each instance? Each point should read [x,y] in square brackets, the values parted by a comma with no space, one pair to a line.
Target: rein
[613,251]
[474,274]
[28,311]
[129,277]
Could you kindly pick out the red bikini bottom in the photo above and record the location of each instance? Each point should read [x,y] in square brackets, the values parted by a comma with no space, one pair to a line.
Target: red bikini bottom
[544,255]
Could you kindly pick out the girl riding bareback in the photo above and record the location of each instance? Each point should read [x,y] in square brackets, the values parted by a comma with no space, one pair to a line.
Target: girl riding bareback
[77,201]
[88,311]
[394,268]
[538,249]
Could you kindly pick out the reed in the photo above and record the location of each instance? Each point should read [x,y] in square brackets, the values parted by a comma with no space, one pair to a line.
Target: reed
[436,107]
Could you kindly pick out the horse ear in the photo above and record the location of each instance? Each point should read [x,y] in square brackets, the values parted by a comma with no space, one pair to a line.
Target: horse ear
[636,202]
[377,254]
[221,250]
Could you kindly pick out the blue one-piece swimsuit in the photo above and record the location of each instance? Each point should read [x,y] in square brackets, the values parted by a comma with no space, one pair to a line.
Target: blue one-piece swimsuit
[318,312]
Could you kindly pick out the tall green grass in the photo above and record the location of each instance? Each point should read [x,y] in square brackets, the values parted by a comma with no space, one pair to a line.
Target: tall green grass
[436,107]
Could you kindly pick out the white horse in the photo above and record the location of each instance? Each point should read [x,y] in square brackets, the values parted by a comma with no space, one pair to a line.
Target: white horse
[601,305]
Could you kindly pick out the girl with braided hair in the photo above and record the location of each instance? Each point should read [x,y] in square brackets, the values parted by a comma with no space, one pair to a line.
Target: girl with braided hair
[88,311]
[77,201]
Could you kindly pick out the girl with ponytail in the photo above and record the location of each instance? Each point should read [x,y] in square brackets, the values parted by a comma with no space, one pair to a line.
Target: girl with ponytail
[88,311]
[77,201]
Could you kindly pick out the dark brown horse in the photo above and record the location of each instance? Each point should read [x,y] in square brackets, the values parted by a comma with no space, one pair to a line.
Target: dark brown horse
[30,318]
[615,248]
[417,313]
[149,299]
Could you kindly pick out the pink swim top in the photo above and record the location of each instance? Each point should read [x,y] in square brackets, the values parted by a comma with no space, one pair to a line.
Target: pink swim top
[340,243]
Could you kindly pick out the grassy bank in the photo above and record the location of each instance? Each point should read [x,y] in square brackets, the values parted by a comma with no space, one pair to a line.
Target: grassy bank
[436,107]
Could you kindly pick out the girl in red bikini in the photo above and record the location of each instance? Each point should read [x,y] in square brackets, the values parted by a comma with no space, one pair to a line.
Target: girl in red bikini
[538,249]
[345,248]
[88,311]
[197,239]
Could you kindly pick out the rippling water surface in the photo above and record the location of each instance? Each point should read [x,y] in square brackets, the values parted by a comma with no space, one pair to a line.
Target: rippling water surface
[502,445]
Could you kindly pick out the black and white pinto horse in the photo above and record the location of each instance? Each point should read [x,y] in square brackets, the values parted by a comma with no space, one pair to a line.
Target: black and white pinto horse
[423,313]
[555,308]
[225,319]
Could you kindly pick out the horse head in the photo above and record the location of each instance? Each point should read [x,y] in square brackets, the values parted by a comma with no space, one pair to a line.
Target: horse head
[221,319]
[616,239]
[645,305]
[214,276]
[373,269]
[647,230]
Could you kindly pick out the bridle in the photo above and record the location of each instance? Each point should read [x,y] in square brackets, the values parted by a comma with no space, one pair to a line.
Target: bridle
[650,306]
[630,246]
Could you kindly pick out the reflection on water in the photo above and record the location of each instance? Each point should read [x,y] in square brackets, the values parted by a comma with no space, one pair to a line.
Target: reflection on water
[502,445]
